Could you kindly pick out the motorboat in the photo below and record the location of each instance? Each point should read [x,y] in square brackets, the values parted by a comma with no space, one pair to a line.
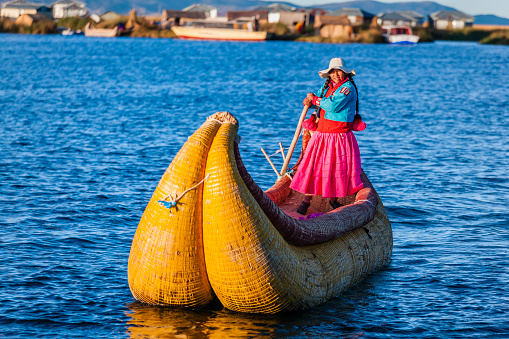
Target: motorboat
[401,35]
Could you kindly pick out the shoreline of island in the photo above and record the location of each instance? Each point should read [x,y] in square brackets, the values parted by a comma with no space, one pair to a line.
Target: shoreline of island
[147,27]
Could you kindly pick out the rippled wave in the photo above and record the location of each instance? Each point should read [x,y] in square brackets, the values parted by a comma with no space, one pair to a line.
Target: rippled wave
[88,126]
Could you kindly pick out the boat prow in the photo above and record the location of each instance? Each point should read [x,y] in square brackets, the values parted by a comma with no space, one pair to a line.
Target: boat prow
[209,231]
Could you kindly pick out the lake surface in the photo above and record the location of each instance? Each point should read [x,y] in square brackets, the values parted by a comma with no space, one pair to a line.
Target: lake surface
[88,127]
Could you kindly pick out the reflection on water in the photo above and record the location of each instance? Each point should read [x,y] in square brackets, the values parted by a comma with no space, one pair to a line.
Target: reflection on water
[339,317]
[88,127]
[163,322]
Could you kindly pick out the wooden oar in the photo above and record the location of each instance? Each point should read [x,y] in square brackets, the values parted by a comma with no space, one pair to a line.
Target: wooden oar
[294,141]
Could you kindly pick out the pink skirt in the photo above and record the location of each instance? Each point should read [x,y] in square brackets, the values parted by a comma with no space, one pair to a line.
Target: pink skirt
[331,166]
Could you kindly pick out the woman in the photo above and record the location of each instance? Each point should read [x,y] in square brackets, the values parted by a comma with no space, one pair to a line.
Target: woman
[331,166]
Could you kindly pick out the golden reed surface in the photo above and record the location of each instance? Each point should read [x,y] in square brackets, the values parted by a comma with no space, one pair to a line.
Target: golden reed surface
[166,263]
[221,239]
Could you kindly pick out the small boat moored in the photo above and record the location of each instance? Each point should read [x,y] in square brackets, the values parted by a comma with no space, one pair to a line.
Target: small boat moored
[400,35]
[219,30]
[101,32]
[68,32]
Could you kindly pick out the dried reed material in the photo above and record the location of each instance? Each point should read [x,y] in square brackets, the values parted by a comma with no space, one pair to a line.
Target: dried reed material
[224,117]
[166,263]
[253,269]
[229,236]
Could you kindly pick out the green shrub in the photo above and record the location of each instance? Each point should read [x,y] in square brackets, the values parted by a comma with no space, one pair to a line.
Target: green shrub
[312,38]
[8,26]
[278,28]
[75,23]
[40,27]
[371,36]
[497,38]
[44,27]
[152,33]
[466,34]
[424,35]
[281,29]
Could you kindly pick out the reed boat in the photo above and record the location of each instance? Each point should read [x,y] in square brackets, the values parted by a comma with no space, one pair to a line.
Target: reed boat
[209,232]
[211,30]
[101,32]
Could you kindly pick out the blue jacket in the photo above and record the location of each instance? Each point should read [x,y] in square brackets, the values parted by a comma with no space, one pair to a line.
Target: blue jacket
[340,105]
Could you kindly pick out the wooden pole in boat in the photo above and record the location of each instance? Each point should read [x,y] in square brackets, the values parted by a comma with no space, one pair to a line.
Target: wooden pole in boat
[282,149]
[295,139]
[270,162]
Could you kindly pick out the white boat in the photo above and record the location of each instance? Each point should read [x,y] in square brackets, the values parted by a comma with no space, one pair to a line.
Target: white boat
[217,30]
[68,32]
[401,35]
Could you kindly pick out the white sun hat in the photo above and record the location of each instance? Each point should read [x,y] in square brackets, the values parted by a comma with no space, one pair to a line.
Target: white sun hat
[336,63]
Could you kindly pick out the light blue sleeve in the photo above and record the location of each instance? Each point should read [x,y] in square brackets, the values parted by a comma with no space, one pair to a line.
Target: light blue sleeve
[338,100]
[318,94]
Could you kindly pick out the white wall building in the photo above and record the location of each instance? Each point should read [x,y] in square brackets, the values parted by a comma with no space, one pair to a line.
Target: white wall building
[13,9]
[210,11]
[450,20]
[69,8]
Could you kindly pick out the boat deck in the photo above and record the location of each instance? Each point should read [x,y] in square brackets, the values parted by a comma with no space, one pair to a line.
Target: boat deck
[318,204]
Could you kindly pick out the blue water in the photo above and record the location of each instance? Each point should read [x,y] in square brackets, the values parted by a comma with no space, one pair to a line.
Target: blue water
[88,127]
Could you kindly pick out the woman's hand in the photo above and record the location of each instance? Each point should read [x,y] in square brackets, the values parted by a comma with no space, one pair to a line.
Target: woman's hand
[307,102]
[310,96]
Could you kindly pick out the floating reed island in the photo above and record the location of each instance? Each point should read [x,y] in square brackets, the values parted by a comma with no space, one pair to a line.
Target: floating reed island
[209,232]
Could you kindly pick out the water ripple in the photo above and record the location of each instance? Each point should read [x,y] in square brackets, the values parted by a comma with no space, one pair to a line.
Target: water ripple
[89,126]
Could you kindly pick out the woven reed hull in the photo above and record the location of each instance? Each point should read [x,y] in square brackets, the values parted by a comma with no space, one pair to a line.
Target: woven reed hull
[250,265]
[101,32]
[237,243]
[166,262]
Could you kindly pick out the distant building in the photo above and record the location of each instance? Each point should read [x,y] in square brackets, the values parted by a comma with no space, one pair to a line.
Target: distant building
[418,19]
[450,20]
[171,18]
[285,14]
[333,27]
[291,17]
[402,18]
[29,19]
[276,8]
[258,18]
[356,16]
[210,11]
[234,15]
[69,8]
[312,13]
[15,8]
[110,16]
